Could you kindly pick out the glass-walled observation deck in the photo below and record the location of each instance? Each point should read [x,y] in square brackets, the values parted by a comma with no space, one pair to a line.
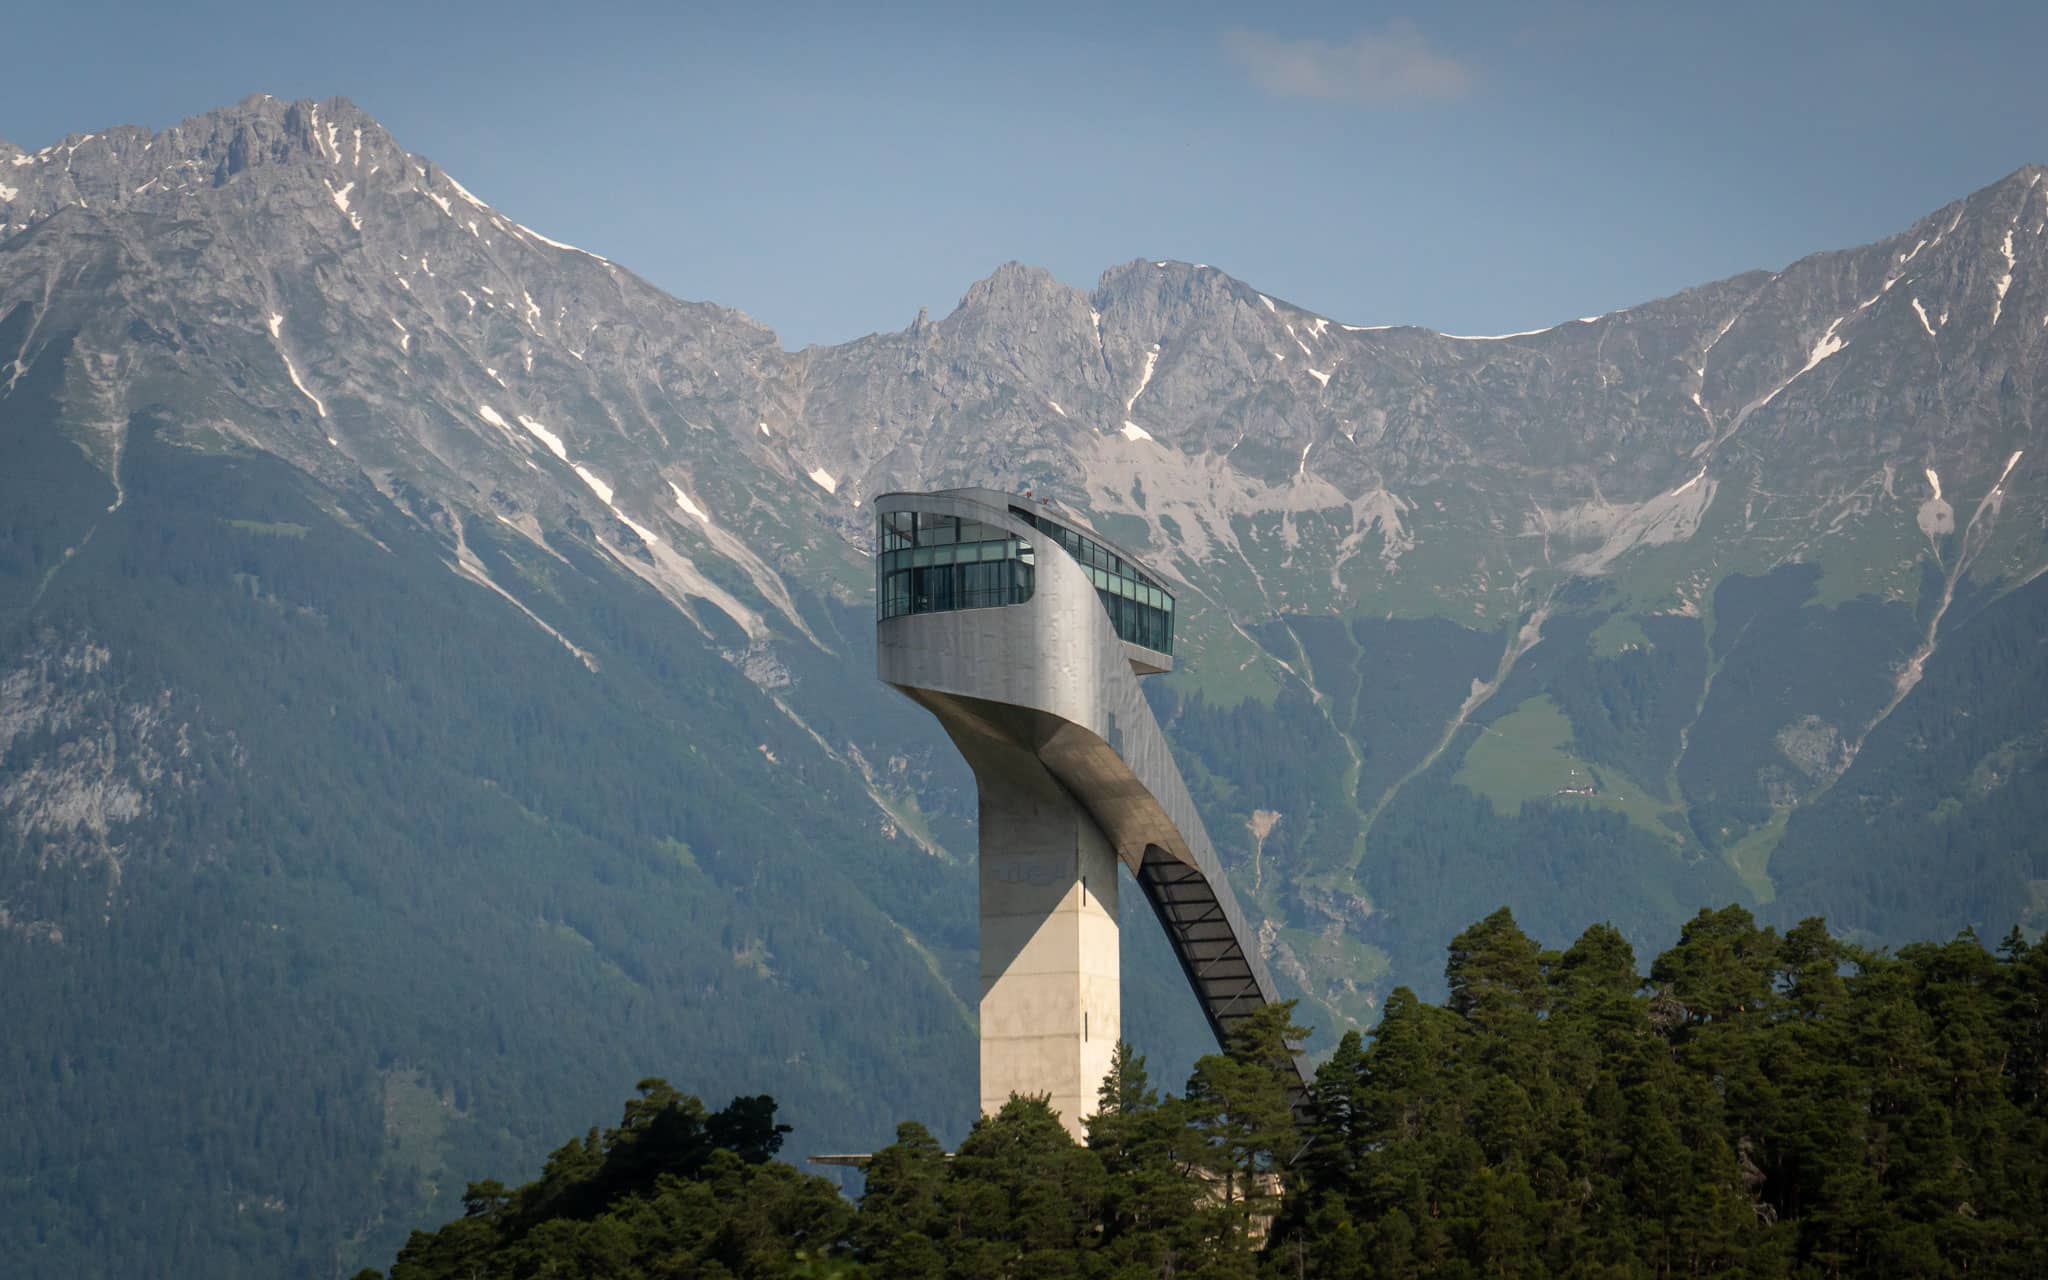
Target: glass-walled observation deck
[927,563]
[1139,608]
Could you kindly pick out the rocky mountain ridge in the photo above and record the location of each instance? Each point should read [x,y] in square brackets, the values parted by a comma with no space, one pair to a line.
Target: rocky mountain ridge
[1170,392]
[301,285]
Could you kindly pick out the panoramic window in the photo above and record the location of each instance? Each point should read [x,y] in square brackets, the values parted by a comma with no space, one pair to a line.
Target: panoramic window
[926,563]
[1139,608]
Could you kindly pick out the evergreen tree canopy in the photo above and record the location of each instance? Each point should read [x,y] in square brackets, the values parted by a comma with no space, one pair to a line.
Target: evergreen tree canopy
[1763,1105]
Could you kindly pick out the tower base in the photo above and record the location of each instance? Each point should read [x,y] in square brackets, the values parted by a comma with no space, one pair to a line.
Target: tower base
[1051,985]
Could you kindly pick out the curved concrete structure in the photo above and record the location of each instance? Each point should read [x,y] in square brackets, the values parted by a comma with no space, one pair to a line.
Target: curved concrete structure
[1024,667]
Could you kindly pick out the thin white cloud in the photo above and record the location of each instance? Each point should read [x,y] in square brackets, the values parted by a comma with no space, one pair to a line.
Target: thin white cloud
[1394,64]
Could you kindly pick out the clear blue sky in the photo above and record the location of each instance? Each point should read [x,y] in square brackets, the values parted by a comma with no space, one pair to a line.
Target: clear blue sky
[1476,168]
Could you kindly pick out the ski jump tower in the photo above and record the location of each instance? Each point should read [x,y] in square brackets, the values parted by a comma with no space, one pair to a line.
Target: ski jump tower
[1025,633]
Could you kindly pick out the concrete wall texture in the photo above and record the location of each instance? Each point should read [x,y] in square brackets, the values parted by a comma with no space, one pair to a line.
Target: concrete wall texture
[1074,774]
[1051,1004]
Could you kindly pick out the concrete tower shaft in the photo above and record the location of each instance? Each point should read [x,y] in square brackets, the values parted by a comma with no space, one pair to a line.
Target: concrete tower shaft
[1025,633]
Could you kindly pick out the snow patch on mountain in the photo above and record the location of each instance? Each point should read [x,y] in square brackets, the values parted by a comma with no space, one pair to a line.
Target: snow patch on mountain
[645,534]
[597,485]
[689,507]
[545,436]
[556,244]
[1828,345]
[293,371]
[1935,517]
[463,191]
[1495,337]
[2010,463]
[1144,379]
[2004,282]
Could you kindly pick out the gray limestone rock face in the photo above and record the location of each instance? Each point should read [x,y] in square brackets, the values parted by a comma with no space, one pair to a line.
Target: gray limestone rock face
[308,279]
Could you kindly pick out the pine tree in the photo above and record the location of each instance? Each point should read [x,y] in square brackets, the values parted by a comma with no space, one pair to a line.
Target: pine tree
[1023,1196]
[902,1215]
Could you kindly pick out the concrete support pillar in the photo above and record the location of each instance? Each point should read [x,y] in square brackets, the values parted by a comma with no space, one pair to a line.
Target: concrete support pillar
[1051,1000]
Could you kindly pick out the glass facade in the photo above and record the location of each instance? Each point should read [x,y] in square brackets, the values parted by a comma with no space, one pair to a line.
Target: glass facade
[927,563]
[1139,608]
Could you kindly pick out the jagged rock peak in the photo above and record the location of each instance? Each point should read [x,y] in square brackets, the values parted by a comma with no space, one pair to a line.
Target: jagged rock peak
[1015,282]
[1157,277]
[126,165]
[1157,297]
[2026,175]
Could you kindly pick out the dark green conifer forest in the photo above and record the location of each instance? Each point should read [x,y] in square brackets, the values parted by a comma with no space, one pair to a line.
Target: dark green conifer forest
[1761,1104]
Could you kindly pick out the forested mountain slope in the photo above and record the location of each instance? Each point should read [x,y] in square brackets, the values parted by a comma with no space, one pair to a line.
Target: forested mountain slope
[435,684]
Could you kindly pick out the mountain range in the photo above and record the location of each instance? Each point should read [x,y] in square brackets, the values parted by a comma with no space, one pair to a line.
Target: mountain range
[436,664]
